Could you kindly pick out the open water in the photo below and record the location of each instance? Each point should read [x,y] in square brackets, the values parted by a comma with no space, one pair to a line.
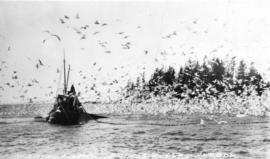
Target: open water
[132,136]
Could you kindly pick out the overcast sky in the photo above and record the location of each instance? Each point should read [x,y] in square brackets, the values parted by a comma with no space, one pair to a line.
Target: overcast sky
[121,39]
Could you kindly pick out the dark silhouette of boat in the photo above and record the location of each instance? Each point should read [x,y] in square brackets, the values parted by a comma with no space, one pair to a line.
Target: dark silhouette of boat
[67,109]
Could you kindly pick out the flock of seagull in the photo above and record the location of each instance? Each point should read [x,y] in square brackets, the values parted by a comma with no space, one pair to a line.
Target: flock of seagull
[82,33]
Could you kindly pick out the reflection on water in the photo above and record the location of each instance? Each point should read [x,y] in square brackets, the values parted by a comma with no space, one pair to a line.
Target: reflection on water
[135,136]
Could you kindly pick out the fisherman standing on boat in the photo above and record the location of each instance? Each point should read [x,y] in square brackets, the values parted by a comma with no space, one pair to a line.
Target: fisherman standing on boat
[72,90]
[76,103]
[56,106]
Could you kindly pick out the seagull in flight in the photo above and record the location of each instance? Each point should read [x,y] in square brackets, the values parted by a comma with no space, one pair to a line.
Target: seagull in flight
[40,62]
[126,45]
[52,35]
[146,52]
[96,32]
[77,16]
[62,21]
[96,22]
[120,33]
[83,37]
[37,66]
[77,30]
[103,44]
[57,36]
[104,24]
[66,17]
[85,27]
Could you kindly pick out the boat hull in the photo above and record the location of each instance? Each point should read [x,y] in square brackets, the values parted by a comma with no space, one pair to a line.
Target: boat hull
[75,118]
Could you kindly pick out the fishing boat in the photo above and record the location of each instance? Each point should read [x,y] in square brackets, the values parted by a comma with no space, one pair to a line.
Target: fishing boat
[67,109]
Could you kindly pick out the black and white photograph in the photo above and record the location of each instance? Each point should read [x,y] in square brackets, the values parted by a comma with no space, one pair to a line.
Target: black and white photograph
[135,79]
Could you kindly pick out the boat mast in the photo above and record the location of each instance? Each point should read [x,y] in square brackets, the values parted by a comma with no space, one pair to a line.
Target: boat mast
[68,76]
[65,82]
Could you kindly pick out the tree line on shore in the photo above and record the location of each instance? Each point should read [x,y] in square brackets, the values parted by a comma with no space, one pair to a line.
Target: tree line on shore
[209,78]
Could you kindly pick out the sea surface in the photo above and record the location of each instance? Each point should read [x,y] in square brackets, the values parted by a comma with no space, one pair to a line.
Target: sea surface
[132,136]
